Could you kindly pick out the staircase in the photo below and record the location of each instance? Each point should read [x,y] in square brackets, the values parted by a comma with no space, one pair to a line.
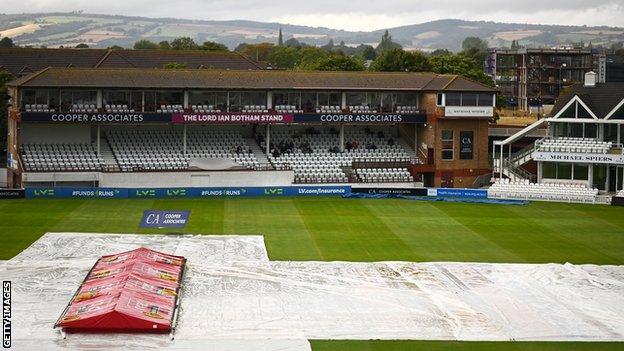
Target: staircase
[511,164]
[262,158]
[110,162]
[410,151]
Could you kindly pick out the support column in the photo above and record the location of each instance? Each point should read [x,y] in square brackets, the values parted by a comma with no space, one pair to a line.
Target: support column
[416,141]
[98,99]
[539,171]
[342,143]
[590,175]
[184,140]
[343,101]
[98,140]
[501,160]
[269,102]
[268,139]
[185,103]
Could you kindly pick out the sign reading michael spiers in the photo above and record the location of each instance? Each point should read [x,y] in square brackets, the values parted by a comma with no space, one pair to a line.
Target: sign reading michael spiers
[466,146]
[164,219]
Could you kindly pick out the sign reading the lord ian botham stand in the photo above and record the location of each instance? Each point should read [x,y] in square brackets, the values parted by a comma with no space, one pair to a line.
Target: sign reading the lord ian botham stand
[164,219]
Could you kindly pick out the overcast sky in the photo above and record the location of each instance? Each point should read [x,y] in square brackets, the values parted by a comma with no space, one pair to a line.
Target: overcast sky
[350,15]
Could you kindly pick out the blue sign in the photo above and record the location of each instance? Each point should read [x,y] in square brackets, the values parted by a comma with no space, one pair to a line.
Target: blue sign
[159,193]
[164,219]
[454,192]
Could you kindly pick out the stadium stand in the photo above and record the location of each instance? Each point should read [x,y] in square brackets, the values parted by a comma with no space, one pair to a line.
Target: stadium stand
[63,157]
[205,109]
[38,108]
[568,144]
[145,149]
[118,109]
[384,175]
[81,108]
[315,157]
[506,189]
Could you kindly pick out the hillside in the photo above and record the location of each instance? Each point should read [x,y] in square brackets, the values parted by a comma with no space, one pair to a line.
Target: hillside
[70,29]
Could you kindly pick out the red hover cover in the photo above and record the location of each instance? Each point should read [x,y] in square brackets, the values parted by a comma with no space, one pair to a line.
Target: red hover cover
[131,291]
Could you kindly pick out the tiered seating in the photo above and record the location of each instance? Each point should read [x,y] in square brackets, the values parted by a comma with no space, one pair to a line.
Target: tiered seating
[620,193]
[38,108]
[506,189]
[314,158]
[163,149]
[170,109]
[220,144]
[60,157]
[254,109]
[81,108]
[384,175]
[329,109]
[118,109]
[361,109]
[205,109]
[287,109]
[406,109]
[582,145]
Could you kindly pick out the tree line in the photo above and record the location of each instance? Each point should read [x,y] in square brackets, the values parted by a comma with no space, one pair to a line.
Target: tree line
[387,56]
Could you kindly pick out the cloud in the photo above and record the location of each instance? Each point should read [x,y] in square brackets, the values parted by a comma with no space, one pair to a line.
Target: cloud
[350,15]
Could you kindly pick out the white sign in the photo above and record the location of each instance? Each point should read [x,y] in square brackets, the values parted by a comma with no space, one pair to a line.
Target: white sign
[469,111]
[578,157]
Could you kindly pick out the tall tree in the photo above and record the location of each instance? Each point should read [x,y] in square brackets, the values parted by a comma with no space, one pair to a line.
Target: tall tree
[183,43]
[145,44]
[82,46]
[293,43]
[164,45]
[398,60]
[335,62]
[462,65]
[280,38]
[284,57]
[474,43]
[6,42]
[386,43]
[259,52]
[213,46]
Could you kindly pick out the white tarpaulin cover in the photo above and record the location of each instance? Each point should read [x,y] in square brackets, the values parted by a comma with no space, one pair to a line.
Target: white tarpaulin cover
[233,296]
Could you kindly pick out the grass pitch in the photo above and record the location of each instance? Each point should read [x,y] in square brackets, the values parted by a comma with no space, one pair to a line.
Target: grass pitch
[331,229]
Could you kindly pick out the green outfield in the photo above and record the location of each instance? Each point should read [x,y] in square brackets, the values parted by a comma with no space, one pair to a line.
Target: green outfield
[358,230]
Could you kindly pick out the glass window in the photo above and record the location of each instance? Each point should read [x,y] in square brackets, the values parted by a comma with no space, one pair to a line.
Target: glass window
[216,99]
[113,97]
[77,97]
[254,98]
[486,100]
[469,99]
[447,145]
[549,170]
[564,171]
[581,172]
[576,130]
[591,131]
[440,99]
[610,132]
[356,99]
[330,99]
[308,102]
[150,101]
[169,98]
[453,99]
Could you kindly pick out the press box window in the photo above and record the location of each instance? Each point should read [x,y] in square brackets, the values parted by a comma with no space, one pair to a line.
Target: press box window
[447,145]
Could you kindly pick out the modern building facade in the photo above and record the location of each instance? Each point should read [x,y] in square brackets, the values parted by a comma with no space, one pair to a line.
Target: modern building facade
[536,77]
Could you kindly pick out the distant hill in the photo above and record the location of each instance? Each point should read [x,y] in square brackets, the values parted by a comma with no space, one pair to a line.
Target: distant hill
[70,29]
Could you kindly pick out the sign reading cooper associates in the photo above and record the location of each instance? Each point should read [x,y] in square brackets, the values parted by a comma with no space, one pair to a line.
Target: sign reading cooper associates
[578,157]
[163,219]
[466,147]
[469,111]
[89,118]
